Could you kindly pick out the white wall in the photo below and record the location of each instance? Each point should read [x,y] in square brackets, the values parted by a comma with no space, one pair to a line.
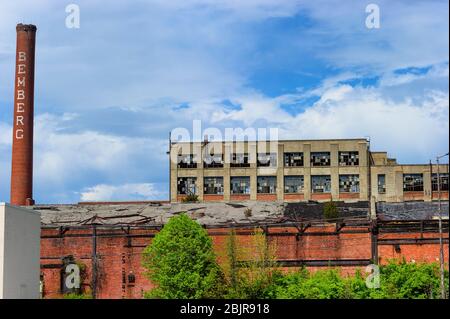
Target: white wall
[19,252]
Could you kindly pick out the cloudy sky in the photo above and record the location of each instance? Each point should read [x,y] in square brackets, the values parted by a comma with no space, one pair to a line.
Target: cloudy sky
[108,94]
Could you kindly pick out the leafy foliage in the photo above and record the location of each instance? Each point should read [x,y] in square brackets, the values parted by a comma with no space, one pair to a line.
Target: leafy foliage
[181,262]
[250,270]
[77,296]
[330,211]
[190,198]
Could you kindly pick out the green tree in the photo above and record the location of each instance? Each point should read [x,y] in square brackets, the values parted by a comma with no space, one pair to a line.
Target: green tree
[181,262]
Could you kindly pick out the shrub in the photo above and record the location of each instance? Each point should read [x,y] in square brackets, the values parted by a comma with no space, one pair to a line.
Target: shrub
[181,262]
[190,198]
[250,270]
[76,296]
[330,211]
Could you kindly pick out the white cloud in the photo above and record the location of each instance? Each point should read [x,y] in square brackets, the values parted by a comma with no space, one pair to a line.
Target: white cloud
[104,192]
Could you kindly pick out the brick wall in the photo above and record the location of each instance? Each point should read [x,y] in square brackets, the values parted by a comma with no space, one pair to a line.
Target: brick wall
[119,252]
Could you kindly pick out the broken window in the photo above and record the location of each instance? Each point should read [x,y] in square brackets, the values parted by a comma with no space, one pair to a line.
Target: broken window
[412,182]
[293,184]
[444,182]
[186,185]
[213,185]
[293,159]
[381,183]
[321,183]
[213,161]
[267,159]
[267,185]
[239,160]
[348,158]
[320,159]
[349,183]
[240,185]
[186,161]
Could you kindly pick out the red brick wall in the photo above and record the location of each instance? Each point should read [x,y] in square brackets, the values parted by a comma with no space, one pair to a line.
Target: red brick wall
[412,195]
[321,196]
[348,195]
[119,255]
[266,197]
[236,197]
[293,197]
[212,198]
[444,195]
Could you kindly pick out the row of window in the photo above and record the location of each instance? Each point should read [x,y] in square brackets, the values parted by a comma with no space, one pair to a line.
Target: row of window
[414,182]
[268,184]
[295,184]
[269,160]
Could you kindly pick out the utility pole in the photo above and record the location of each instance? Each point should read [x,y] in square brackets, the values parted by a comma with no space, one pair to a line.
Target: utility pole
[441,246]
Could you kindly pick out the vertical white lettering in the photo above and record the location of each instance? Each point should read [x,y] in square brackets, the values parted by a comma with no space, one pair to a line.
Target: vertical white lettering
[22,56]
[21,81]
[21,69]
[20,94]
[20,107]
[19,134]
[19,120]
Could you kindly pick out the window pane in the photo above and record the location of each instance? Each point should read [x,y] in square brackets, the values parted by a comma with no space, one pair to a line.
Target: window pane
[213,185]
[320,159]
[412,182]
[348,158]
[186,161]
[186,185]
[444,182]
[293,184]
[321,184]
[267,184]
[349,183]
[240,160]
[293,159]
[267,160]
[381,183]
[213,160]
[240,185]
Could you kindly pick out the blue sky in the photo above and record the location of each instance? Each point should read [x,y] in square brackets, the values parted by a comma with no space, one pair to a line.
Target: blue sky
[107,94]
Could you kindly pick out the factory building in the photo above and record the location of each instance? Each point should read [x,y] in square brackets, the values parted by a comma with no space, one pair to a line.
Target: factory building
[298,170]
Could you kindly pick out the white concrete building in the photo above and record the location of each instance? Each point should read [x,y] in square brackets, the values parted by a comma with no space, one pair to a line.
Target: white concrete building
[20,230]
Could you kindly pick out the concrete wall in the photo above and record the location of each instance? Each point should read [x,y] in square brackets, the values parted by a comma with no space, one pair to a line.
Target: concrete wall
[371,164]
[19,252]
[280,147]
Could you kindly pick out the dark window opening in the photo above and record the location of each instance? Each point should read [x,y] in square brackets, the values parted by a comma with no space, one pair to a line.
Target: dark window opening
[213,185]
[267,185]
[213,161]
[186,161]
[381,184]
[412,182]
[293,184]
[321,184]
[349,183]
[186,185]
[293,159]
[267,160]
[320,159]
[348,158]
[240,160]
[444,182]
[240,185]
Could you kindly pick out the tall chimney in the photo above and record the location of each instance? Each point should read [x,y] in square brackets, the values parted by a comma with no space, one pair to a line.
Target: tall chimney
[22,148]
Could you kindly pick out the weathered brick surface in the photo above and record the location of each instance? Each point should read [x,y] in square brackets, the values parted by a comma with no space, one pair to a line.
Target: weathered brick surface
[119,255]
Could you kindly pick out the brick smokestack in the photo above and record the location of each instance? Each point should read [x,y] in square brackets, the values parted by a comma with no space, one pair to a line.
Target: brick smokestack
[22,148]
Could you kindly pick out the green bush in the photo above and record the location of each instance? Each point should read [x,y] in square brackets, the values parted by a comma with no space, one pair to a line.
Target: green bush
[330,211]
[76,296]
[181,262]
[190,198]
[250,270]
